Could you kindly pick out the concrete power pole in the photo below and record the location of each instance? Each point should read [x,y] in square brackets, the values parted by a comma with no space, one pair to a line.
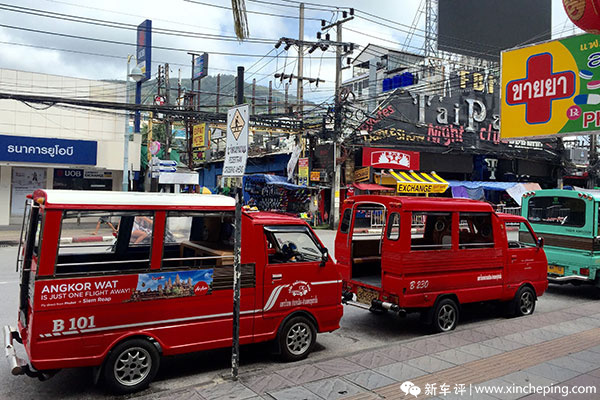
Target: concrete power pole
[300,88]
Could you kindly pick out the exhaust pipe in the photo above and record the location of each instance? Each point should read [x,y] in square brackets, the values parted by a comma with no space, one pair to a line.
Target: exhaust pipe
[17,365]
[389,306]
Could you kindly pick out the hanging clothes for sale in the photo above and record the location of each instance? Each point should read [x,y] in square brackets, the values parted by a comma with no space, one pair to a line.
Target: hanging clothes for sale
[275,193]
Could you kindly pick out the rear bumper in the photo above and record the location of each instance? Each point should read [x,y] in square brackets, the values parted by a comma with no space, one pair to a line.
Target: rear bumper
[570,278]
[17,365]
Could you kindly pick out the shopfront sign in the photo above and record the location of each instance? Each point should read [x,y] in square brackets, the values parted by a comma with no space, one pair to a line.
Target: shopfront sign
[362,174]
[315,176]
[551,88]
[303,171]
[390,158]
[47,150]
[144,49]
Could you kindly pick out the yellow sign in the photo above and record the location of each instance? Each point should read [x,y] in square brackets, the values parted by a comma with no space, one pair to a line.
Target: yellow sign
[551,88]
[199,135]
[362,174]
[418,182]
[315,176]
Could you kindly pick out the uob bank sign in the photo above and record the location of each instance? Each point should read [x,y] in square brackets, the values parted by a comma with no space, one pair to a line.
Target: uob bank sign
[48,150]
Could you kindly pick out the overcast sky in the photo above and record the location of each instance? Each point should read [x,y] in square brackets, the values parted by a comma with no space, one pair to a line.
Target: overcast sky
[185,16]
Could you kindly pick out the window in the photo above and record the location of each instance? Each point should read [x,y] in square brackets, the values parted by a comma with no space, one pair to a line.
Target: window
[393,228]
[288,244]
[345,224]
[369,219]
[564,211]
[524,238]
[198,239]
[123,242]
[431,231]
[475,231]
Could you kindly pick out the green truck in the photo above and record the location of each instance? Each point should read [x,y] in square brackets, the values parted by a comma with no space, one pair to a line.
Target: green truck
[568,222]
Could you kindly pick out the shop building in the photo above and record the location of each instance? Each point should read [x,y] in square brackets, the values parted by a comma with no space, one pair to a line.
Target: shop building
[59,147]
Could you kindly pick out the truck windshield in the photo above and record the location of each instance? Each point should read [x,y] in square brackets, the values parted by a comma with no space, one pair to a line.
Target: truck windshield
[555,210]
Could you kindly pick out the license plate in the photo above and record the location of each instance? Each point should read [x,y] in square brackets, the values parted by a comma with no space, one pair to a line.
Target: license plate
[555,269]
[366,296]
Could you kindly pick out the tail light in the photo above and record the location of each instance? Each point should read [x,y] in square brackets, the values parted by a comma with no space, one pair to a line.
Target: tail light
[584,271]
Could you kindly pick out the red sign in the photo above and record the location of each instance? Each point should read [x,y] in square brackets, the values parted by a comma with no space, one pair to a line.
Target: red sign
[539,88]
[201,288]
[388,158]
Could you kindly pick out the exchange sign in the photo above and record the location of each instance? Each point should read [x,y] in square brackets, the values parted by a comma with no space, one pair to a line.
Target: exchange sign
[551,88]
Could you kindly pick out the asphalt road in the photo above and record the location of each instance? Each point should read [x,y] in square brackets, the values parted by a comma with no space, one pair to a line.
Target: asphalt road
[359,330]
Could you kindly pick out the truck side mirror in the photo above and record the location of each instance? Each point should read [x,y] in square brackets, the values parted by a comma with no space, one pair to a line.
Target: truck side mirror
[540,242]
[324,257]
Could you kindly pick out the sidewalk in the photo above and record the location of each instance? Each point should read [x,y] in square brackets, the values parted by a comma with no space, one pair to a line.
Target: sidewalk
[560,348]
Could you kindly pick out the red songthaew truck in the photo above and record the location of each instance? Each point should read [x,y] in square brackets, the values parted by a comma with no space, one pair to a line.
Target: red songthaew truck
[430,255]
[163,286]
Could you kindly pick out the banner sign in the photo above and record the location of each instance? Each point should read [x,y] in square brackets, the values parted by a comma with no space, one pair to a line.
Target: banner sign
[551,88]
[315,176]
[303,171]
[389,158]
[199,135]
[144,48]
[465,117]
[236,152]
[48,150]
[200,68]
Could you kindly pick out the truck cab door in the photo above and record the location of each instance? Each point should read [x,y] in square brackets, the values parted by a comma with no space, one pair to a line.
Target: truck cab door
[525,260]
[296,275]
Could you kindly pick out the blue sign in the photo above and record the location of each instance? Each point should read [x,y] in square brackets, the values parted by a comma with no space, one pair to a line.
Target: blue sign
[48,150]
[144,48]
[200,69]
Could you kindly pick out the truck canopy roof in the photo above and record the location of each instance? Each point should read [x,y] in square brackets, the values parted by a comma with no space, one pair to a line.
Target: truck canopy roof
[275,218]
[109,198]
[424,203]
[594,193]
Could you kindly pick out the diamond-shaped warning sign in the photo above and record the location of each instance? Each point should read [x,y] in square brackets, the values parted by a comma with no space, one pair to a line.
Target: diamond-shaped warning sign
[237,124]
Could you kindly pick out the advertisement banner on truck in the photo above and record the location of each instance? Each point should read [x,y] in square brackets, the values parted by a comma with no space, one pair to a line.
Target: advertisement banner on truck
[551,88]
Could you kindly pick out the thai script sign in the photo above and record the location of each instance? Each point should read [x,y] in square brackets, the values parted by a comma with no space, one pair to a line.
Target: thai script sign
[551,88]
[48,150]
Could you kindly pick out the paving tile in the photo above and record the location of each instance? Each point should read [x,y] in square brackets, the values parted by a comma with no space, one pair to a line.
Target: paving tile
[501,343]
[429,364]
[583,380]
[303,373]
[589,356]
[426,346]
[525,378]
[497,383]
[369,379]
[455,356]
[569,327]
[498,329]
[184,394]
[401,353]
[339,366]
[266,383]
[333,388]
[573,363]
[473,336]
[294,393]
[229,391]
[371,359]
[595,349]
[469,395]
[479,350]
[400,371]
[595,322]
[451,339]
[550,371]
[533,336]
[595,372]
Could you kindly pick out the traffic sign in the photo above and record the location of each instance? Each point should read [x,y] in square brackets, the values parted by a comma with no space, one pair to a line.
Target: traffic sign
[167,169]
[236,153]
[159,100]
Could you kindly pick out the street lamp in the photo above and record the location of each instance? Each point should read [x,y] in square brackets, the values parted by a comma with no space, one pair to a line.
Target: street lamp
[137,75]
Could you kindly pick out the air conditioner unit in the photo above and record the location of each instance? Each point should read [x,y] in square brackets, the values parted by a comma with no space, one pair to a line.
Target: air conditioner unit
[578,156]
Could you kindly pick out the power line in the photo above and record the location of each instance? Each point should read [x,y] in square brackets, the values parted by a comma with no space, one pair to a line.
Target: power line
[251,11]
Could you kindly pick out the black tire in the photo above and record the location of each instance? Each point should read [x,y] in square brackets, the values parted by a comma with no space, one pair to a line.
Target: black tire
[131,366]
[523,303]
[296,338]
[445,316]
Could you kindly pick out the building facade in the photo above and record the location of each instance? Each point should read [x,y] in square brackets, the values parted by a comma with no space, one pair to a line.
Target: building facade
[59,147]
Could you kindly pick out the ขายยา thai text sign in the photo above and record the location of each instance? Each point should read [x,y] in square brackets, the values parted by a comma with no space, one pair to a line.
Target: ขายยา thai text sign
[551,88]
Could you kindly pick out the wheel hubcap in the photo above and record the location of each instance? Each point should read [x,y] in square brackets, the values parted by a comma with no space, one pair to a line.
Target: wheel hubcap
[132,366]
[299,338]
[526,303]
[446,317]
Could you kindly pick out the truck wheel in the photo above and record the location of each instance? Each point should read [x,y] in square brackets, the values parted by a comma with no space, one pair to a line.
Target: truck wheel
[524,302]
[445,316]
[131,366]
[297,338]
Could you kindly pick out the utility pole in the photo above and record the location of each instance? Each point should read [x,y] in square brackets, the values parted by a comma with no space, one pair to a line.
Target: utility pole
[237,266]
[285,101]
[218,91]
[167,119]
[270,97]
[253,103]
[300,88]
[335,184]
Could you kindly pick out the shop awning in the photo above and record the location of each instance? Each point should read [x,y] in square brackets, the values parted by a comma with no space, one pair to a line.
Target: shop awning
[418,182]
[371,186]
